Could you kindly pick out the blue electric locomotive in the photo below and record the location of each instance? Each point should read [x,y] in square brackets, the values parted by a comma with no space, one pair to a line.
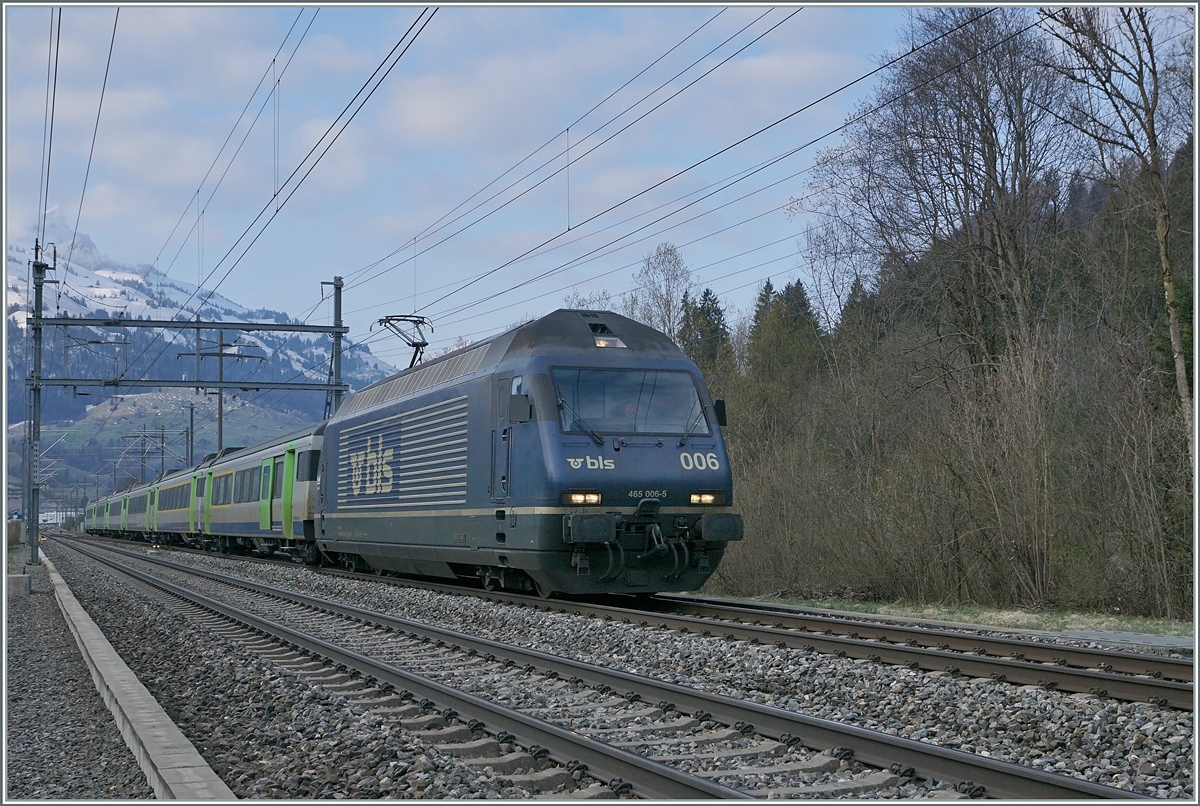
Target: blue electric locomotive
[579,453]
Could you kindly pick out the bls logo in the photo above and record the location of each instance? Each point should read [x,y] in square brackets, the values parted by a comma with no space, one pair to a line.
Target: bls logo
[593,463]
[369,470]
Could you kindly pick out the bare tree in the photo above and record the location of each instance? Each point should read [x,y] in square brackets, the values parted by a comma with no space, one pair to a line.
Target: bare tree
[952,179]
[596,301]
[1135,102]
[657,299]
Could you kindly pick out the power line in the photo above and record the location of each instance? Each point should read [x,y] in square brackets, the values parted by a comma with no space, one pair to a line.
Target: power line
[616,224]
[743,140]
[590,256]
[92,150]
[42,202]
[624,128]
[200,211]
[53,104]
[234,129]
[850,122]
[857,118]
[353,276]
[423,20]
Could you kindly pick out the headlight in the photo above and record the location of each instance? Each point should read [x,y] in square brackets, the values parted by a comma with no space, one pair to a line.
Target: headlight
[708,498]
[581,499]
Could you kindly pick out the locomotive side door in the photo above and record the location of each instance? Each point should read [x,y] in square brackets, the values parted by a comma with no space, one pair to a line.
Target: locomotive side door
[501,442]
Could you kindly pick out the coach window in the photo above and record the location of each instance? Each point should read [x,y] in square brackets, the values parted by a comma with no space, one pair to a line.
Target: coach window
[278,476]
[306,465]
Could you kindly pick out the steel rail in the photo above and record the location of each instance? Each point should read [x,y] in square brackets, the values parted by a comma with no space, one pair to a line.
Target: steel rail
[1171,693]
[1115,660]
[1162,692]
[999,778]
[648,778]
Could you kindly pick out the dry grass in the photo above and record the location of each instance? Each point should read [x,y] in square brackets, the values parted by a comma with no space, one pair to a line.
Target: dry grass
[1052,620]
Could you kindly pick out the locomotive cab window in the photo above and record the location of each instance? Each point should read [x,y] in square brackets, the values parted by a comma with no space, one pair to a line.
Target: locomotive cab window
[628,401]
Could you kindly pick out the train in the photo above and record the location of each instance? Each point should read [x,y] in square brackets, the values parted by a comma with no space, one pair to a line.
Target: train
[578,453]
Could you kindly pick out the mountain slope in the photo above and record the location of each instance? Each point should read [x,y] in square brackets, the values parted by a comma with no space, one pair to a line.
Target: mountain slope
[95,285]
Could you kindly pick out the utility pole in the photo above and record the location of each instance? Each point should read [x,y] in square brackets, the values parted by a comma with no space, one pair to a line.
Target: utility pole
[140,435]
[159,435]
[35,381]
[34,443]
[220,390]
[191,453]
[220,355]
[335,358]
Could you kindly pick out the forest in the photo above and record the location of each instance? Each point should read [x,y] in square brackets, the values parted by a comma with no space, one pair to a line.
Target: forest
[978,387]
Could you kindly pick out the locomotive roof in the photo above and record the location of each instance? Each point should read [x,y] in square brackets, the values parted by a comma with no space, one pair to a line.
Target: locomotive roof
[565,330]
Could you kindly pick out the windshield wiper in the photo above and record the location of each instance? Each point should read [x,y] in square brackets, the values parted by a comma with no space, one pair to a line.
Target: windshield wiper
[692,427]
[562,404]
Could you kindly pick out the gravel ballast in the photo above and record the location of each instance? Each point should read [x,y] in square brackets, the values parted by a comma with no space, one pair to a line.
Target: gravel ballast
[62,742]
[1136,746]
[265,731]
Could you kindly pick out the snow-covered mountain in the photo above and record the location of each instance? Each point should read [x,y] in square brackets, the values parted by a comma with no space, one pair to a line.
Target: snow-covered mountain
[92,284]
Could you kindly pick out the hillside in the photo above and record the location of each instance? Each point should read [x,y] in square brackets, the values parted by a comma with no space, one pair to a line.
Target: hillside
[95,427]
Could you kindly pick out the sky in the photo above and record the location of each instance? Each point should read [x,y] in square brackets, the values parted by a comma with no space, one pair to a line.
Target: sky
[395,204]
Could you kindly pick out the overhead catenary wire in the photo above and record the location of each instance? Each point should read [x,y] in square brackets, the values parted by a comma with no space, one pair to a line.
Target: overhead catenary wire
[201,209]
[42,202]
[693,82]
[232,130]
[624,128]
[216,159]
[743,140]
[423,20]
[886,102]
[891,100]
[746,174]
[377,78]
[96,130]
[359,272]
[592,256]
[50,138]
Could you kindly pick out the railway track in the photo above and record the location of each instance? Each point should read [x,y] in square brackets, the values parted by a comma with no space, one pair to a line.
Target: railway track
[1121,675]
[575,713]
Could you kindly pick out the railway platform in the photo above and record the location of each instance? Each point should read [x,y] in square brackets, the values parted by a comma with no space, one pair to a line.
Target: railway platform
[76,710]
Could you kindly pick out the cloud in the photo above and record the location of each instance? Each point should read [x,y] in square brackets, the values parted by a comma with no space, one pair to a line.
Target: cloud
[480,89]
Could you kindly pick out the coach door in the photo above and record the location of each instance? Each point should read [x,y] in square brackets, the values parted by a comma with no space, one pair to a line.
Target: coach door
[206,501]
[191,505]
[196,516]
[265,498]
[501,443]
[285,471]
